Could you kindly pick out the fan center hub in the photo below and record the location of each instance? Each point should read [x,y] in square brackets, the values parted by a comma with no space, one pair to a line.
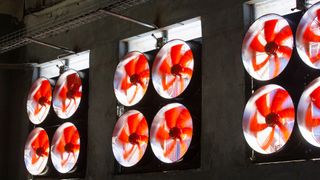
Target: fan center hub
[176,69]
[271,48]
[175,132]
[134,138]
[69,147]
[40,151]
[43,100]
[134,79]
[71,93]
[272,119]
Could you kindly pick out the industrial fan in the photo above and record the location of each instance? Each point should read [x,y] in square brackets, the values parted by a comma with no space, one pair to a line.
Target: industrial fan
[36,151]
[308,116]
[65,147]
[172,69]
[67,94]
[171,132]
[308,37]
[39,100]
[268,119]
[130,138]
[267,47]
[131,78]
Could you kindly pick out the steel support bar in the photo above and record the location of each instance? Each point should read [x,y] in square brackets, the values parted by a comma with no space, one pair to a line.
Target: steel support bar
[151,26]
[50,45]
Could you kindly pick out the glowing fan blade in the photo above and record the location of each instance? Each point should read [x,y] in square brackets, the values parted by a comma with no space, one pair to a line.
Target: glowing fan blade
[172,69]
[39,100]
[171,132]
[309,113]
[65,147]
[130,138]
[267,47]
[268,119]
[36,151]
[308,37]
[131,78]
[67,94]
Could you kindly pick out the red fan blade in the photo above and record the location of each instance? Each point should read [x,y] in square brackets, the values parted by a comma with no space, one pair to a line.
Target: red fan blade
[256,66]
[170,83]
[309,120]
[269,140]
[141,64]
[35,144]
[187,71]
[183,118]
[176,54]
[283,34]
[187,132]
[171,116]
[256,44]
[43,140]
[309,35]
[269,27]
[262,107]
[278,99]
[142,127]
[127,154]
[276,65]
[170,149]
[165,67]
[125,85]
[143,139]
[68,133]
[35,158]
[73,81]
[255,126]
[186,58]
[162,135]
[133,122]
[285,51]
[130,67]
[315,97]
[123,137]
[61,145]
[284,130]
[286,113]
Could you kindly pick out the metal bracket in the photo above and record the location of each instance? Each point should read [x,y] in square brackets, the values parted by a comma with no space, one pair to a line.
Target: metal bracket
[302,5]
[50,45]
[151,26]
[161,40]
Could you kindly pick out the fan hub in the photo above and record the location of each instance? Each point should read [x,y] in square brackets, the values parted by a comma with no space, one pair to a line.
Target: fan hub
[134,79]
[40,151]
[134,138]
[69,147]
[43,100]
[176,69]
[271,48]
[175,132]
[71,93]
[272,119]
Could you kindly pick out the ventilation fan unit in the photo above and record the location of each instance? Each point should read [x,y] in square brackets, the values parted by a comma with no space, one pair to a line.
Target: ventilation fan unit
[131,78]
[309,113]
[130,138]
[67,94]
[267,47]
[172,69]
[171,132]
[36,151]
[39,100]
[308,37]
[65,147]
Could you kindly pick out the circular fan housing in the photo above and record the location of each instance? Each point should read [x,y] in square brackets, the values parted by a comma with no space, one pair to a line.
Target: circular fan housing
[268,119]
[39,100]
[131,78]
[67,94]
[65,147]
[308,116]
[130,138]
[267,47]
[36,151]
[172,69]
[171,132]
[308,37]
